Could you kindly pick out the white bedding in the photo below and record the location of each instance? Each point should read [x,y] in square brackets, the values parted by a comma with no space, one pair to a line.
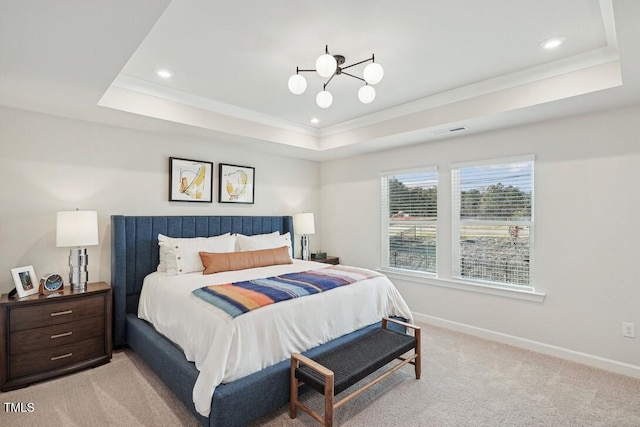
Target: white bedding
[226,349]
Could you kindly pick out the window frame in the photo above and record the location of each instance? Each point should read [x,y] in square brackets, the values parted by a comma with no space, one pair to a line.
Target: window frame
[444,252]
[457,223]
[386,222]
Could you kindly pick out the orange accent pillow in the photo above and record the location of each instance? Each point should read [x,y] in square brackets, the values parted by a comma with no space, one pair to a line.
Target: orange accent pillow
[231,261]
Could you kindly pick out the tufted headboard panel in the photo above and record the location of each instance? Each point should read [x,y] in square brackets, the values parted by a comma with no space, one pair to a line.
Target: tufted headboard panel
[135,254]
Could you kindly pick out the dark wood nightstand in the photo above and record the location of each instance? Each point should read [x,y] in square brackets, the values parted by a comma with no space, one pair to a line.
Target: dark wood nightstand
[45,336]
[334,260]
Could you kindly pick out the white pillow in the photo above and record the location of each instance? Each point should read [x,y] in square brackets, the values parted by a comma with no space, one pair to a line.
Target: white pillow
[182,255]
[166,248]
[244,243]
[263,241]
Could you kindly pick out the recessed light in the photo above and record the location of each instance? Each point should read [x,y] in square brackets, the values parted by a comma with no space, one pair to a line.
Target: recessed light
[164,73]
[552,43]
[314,120]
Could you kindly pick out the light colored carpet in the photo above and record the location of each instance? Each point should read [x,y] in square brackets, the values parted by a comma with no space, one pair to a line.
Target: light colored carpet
[122,393]
[466,381]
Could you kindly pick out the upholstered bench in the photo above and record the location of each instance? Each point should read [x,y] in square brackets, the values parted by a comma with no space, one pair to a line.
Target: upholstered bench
[334,372]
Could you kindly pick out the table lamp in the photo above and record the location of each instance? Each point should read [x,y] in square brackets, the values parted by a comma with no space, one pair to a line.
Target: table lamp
[77,229]
[303,225]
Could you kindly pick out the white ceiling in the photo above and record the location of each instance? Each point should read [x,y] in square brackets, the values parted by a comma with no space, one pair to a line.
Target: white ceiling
[448,64]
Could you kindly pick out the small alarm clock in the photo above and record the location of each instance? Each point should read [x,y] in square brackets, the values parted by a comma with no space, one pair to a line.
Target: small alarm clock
[50,283]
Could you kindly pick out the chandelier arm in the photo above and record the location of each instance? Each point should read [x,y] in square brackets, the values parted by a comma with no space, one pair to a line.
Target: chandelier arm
[358,63]
[324,87]
[355,77]
[300,71]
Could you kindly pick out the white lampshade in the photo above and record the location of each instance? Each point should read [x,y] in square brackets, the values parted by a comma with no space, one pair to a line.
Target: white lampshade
[366,94]
[297,84]
[326,65]
[303,224]
[324,99]
[373,73]
[77,228]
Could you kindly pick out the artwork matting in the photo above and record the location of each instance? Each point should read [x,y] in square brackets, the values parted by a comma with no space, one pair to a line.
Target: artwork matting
[190,180]
[237,184]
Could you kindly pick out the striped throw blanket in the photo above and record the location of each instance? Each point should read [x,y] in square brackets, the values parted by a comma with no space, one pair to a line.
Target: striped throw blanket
[241,297]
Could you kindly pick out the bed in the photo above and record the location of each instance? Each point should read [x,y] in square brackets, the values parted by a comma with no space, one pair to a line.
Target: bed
[135,256]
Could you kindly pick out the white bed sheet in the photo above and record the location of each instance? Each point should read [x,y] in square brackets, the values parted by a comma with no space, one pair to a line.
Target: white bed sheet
[226,349]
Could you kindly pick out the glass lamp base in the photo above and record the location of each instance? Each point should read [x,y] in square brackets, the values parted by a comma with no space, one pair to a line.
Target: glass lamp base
[305,247]
[78,273]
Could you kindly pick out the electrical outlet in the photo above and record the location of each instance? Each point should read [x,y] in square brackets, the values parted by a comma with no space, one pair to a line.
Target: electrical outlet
[628,330]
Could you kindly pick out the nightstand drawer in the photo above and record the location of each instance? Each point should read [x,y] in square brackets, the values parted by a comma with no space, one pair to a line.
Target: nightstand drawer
[54,313]
[57,357]
[55,335]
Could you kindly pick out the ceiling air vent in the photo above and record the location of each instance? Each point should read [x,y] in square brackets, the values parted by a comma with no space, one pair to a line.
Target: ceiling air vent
[443,131]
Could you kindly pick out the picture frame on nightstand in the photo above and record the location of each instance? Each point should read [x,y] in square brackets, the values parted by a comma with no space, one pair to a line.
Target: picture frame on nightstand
[25,281]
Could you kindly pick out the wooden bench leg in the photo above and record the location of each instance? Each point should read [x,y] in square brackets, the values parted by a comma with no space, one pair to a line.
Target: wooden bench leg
[328,401]
[418,361]
[329,380]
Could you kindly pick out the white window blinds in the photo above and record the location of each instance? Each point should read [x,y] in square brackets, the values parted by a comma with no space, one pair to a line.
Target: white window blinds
[409,217]
[492,224]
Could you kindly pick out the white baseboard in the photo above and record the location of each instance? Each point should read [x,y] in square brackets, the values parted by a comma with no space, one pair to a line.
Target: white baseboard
[551,350]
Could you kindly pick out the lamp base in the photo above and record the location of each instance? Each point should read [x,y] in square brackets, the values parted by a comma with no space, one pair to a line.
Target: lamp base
[78,273]
[305,247]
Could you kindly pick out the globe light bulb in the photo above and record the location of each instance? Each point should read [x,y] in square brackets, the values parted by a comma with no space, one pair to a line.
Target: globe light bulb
[297,84]
[324,99]
[373,73]
[366,94]
[326,65]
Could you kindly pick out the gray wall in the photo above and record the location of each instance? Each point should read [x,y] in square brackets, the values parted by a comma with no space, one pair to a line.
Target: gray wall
[587,201]
[48,164]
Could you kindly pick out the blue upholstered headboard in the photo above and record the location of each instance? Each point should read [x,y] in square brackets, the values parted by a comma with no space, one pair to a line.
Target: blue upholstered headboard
[134,250]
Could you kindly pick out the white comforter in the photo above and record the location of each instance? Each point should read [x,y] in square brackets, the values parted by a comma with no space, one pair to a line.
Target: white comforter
[226,349]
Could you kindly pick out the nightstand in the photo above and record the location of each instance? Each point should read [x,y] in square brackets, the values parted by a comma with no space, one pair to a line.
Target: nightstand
[334,260]
[44,336]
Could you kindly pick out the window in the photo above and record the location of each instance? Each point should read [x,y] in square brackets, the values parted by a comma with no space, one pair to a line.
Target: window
[409,216]
[492,221]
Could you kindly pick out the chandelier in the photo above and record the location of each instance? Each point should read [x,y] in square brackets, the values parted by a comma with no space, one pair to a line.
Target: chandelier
[328,65]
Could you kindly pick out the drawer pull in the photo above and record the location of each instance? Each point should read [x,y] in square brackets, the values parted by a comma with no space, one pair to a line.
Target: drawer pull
[62,356]
[60,313]
[65,334]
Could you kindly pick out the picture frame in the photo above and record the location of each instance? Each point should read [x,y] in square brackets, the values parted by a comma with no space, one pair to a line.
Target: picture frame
[236,184]
[25,280]
[190,180]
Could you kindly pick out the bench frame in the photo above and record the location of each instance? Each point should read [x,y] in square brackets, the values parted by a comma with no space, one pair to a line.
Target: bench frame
[330,404]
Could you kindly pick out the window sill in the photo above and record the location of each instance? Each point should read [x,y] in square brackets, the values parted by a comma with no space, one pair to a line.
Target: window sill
[432,280]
